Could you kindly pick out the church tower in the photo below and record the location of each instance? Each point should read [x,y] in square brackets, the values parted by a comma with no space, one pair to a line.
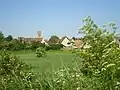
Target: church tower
[39,35]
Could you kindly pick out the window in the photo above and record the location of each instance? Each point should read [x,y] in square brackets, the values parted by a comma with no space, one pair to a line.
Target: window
[68,43]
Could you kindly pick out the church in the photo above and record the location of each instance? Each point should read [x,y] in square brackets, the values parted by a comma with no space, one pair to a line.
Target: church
[37,38]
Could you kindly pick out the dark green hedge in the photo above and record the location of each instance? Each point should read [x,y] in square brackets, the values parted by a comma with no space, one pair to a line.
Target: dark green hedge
[54,47]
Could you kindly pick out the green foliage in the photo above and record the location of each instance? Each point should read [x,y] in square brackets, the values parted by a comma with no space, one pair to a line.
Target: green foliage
[98,68]
[102,58]
[16,75]
[1,36]
[40,52]
[9,38]
[34,45]
[67,79]
[16,45]
[54,47]
[53,40]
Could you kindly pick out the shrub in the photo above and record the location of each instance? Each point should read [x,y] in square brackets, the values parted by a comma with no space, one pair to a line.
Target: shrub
[40,52]
[16,75]
[67,79]
[54,47]
[101,59]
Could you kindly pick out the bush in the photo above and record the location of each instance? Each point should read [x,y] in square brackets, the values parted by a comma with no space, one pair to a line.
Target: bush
[35,45]
[67,79]
[102,58]
[54,47]
[16,45]
[40,52]
[16,75]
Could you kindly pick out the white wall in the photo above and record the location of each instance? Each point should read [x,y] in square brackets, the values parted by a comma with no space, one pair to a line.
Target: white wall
[65,42]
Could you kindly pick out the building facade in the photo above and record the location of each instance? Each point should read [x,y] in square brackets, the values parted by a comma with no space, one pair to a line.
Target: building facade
[29,40]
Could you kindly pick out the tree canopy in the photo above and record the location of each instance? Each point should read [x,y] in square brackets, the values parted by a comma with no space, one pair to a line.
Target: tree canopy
[54,39]
[9,38]
[1,36]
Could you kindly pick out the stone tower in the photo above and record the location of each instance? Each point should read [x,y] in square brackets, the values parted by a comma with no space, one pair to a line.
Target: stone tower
[39,34]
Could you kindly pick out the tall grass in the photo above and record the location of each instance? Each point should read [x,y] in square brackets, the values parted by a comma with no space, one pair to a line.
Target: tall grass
[16,75]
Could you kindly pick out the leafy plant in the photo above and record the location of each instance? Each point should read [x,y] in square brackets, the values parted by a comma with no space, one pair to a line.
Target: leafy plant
[101,58]
[9,38]
[40,52]
[53,40]
[54,47]
[16,75]
[1,36]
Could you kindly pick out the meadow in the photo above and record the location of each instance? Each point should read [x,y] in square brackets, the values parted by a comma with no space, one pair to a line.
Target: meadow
[54,60]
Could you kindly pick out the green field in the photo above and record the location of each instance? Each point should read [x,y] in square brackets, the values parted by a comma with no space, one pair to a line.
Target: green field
[54,60]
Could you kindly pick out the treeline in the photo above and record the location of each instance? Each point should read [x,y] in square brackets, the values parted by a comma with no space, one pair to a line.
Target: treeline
[11,44]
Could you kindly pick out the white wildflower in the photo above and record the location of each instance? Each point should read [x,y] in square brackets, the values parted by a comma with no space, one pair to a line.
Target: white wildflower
[118,83]
[73,75]
[58,81]
[8,64]
[78,88]
[118,67]
[103,69]
[97,72]
[63,82]
[78,75]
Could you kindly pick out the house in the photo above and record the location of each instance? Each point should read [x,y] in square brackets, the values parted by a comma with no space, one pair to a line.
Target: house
[44,41]
[78,43]
[25,39]
[71,43]
[66,42]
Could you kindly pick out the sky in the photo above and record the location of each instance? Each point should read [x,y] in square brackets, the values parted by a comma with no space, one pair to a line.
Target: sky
[54,17]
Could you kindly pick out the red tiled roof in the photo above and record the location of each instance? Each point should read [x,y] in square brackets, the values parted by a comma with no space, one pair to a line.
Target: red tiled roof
[78,43]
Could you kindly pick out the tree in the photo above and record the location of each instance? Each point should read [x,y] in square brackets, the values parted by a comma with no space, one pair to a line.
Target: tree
[40,52]
[9,38]
[73,38]
[1,36]
[101,59]
[54,39]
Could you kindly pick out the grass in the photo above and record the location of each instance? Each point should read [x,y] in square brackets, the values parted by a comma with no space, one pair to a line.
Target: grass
[54,60]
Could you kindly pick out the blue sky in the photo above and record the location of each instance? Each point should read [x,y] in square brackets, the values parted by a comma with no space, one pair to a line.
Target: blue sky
[54,17]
